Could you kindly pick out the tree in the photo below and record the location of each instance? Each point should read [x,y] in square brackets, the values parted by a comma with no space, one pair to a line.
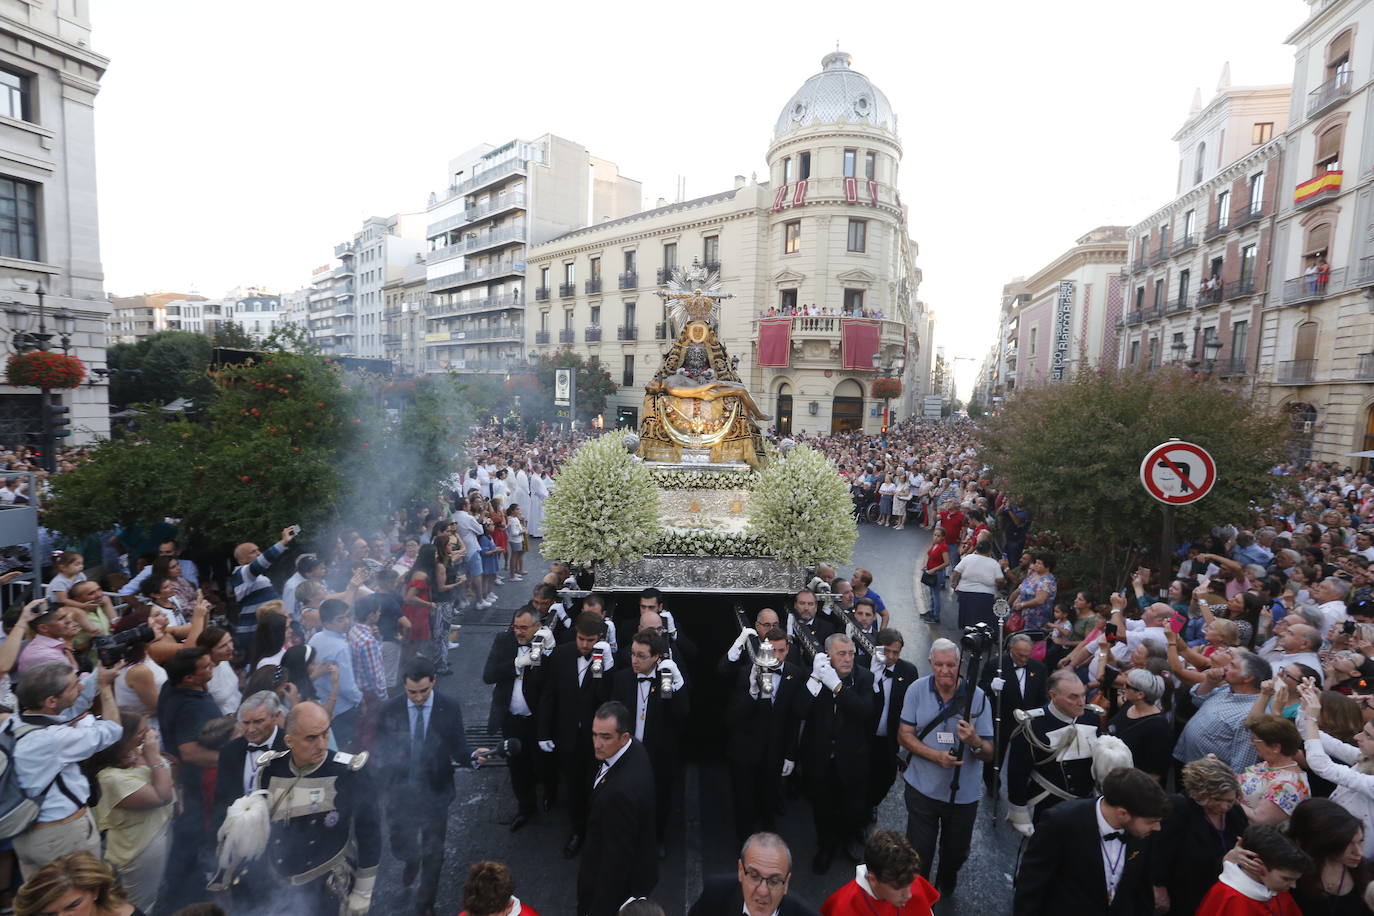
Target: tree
[535,388]
[1071,452]
[161,368]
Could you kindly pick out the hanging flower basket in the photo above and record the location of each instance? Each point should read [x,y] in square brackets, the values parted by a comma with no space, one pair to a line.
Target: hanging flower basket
[887,387]
[44,369]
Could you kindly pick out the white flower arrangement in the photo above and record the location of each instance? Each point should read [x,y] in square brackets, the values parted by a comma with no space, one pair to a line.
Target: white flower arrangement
[679,479]
[802,511]
[704,542]
[604,507]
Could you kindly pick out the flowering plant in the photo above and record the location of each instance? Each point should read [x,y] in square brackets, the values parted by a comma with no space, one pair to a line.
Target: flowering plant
[703,542]
[802,511]
[604,508]
[44,369]
[676,479]
[887,387]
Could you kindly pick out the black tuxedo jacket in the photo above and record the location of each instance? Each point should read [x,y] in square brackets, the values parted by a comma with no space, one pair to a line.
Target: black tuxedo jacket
[904,674]
[665,717]
[566,708]
[499,671]
[721,895]
[620,855]
[445,746]
[763,732]
[229,776]
[1062,870]
[1036,695]
[821,626]
[838,726]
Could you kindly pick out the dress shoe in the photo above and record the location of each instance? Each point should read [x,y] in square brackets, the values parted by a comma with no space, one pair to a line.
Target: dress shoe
[854,850]
[519,821]
[573,847]
[412,871]
[548,804]
[821,864]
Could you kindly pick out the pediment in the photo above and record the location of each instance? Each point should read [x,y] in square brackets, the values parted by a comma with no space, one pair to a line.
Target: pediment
[788,276]
[857,275]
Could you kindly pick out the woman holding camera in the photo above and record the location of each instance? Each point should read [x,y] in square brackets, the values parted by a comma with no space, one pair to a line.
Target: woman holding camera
[139,684]
[135,807]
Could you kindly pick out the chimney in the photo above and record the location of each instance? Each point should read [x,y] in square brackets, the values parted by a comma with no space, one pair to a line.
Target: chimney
[739,182]
[661,203]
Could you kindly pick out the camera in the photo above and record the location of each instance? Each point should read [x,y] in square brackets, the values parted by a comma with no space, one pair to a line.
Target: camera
[977,638]
[1348,627]
[111,650]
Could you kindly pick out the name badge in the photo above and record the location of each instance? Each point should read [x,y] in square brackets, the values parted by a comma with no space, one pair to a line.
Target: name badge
[945,738]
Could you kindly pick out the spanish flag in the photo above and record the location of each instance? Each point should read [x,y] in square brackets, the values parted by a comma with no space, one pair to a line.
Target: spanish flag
[1327,181]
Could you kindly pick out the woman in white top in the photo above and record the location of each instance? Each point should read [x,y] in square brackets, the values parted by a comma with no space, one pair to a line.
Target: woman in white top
[224,683]
[1351,768]
[139,684]
[976,581]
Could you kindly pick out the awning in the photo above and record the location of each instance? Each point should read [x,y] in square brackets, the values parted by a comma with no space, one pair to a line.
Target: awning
[1368,454]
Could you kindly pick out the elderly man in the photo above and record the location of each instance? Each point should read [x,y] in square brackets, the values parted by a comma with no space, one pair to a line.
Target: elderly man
[1294,643]
[1051,753]
[251,585]
[759,887]
[942,742]
[1224,702]
[1018,683]
[55,628]
[262,717]
[1330,595]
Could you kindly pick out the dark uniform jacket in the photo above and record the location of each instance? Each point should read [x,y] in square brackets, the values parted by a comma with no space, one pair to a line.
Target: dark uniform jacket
[837,725]
[1036,695]
[1070,770]
[313,815]
[763,732]
[721,895]
[500,672]
[620,858]
[665,716]
[1062,870]
[566,708]
[229,775]
[904,674]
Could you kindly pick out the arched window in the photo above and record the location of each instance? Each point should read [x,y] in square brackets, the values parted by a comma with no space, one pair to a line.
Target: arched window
[1338,65]
[1201,160]
[1318,241]
[1305,341]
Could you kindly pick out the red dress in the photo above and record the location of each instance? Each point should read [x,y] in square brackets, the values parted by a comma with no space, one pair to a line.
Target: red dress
[853,900]
[418,614]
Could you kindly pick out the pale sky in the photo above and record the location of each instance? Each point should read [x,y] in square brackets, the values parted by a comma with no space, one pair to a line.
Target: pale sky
[238,142]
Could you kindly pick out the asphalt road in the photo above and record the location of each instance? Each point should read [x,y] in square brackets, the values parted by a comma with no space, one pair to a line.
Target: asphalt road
[701,839]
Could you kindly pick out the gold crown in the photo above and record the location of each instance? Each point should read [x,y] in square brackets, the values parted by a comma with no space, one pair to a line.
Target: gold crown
[698,306]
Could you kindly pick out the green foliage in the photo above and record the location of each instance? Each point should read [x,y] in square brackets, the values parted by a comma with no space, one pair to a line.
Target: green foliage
[593,384]
[1071,453]
[604,506]
[802,510]
[232,335]
[161,368]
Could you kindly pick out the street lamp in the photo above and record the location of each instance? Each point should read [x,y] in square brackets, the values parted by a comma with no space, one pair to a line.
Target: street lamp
[23,340]
[1180,348]
[1211,349]
[891,370]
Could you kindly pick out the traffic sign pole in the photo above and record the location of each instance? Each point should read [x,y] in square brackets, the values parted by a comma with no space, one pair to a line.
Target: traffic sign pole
[1195,472]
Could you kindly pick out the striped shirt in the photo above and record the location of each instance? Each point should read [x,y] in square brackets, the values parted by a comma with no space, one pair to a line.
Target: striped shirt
[252,588]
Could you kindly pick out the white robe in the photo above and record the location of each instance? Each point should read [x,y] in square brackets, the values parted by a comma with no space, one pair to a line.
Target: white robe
[539,491]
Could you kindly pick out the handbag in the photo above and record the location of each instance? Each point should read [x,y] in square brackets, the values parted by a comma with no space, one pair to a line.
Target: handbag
[928,579]
[1015,623]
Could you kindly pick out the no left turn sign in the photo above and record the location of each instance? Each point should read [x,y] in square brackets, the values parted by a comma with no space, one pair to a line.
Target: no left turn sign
[1178,473]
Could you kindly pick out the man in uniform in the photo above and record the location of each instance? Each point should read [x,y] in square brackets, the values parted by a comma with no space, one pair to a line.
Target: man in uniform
[1051,756]
[326,838]
[761,746]
[1021,686]
[892,675]
[805,619]
[514,674]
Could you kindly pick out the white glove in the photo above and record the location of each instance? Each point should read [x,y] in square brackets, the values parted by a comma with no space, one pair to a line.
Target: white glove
[753,688]
[997,684]
[546,746]
[671,667]
[560,614]
[819,663]
[669,624]
[360,898]
[1019,816]
[813,686]
[737,647]
[830,678]
[547,635]
[523,660]
[606,658]
[787,767]
[876,665]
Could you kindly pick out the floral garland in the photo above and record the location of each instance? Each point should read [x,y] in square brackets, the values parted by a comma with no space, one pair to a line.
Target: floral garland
[702,542]
[604,507]
[44,369]
[677,479]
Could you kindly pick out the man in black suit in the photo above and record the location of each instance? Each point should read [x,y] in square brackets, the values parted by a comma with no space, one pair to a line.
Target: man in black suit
[1023,685]
[657,717]
[738,655]
[1092,855]
[568,699]
[420,741]
[759,888]
[806,618]
[761,741]
[262,718]
[516,677]
[619,860]
[838,711]
[891,678]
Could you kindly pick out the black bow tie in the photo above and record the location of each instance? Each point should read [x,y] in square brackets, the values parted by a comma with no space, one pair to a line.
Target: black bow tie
[645,677]
[1114,835]
[257,747]
[887,672]
[1019,667]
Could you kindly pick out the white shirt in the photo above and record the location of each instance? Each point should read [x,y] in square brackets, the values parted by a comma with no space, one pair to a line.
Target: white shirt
[224,688]
[1333,612]
[582,665]
[250,761]
[606,765]
[978,574]
[885,685]
[1113,852]
[643,683]
[518,705]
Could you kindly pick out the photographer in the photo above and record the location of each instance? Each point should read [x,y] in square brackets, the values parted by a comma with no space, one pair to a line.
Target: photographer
[945,744]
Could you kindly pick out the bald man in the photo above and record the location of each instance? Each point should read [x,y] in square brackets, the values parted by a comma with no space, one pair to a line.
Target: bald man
[251,585]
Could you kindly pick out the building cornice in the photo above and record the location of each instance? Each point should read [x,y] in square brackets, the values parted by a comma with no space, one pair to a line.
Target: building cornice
[1203,193]
[1074,258]
[54,44]
[591,243]
[1316,21]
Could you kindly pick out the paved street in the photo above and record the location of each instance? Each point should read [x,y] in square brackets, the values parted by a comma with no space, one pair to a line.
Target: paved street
[702,840]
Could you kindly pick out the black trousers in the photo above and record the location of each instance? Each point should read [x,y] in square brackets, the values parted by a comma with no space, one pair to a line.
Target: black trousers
[665,771]
[524,774]
[418,823]
[757,794]
[950,826]
[882,769]
[838,816]
[575,784]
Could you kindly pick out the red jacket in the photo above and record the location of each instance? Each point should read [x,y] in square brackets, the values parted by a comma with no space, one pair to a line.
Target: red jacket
[1224,900]
[853,900]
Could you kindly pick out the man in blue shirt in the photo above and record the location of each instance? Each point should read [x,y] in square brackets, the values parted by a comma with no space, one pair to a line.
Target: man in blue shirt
[933,730]
[331,645]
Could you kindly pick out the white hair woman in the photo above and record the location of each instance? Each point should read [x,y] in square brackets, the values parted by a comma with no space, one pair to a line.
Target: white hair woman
[1141,723]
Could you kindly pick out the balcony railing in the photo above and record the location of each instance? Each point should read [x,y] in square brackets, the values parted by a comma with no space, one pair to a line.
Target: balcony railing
[1329,93]
[342,249]
[1366,275]
[469,276]
[495,205]
[567,290]
[1210,296]
[1311,287]
[1295,371]
[1229,367]
[541,337]
[591,335]
[1131,318]
[1215,228]
[1174,306]
[1365,370]
[1247,214]
[485,178]
[485,304]
[1184,242]
[541,294]
[1158,255]
[712,265]
[629,279]
[1318,189]
[1139,264]
[567,335]
[1151,313]
[627,332]
[1241,288]
[661,331]
[592,287]
[665,274]
[512,233]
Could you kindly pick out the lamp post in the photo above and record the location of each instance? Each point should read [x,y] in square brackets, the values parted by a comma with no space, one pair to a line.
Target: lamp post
[891,370]
[25,341]
[1211,349]
[1179,348]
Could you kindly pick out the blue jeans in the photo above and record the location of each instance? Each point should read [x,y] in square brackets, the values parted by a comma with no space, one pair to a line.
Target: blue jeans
[953,555]
[933,591]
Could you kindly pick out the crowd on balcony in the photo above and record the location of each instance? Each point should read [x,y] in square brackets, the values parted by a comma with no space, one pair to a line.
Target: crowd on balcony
[816,311]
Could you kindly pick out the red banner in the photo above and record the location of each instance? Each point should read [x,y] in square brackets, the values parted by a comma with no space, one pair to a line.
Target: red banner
[858,342]
[775,343]
[799,198]
[873,191]
[851,190]
[779,198]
